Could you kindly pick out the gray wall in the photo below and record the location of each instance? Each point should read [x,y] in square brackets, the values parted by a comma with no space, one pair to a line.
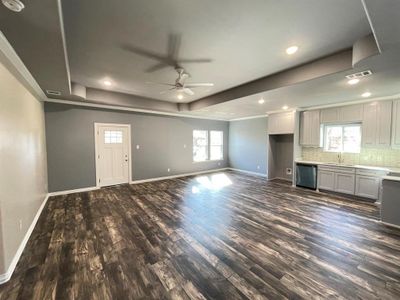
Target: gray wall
[280,156]
[23,171]
[70,144]
[248,145]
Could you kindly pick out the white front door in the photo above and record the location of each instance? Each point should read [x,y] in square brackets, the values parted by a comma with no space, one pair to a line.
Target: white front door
[113,156]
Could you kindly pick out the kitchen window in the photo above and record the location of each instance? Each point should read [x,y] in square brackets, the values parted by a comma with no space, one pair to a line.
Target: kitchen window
[342,138]
[208,145]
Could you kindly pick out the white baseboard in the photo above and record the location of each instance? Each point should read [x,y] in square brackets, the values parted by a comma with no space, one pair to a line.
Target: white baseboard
[390,225]
[248,172]
[178,175]
[86,189]
[6,276]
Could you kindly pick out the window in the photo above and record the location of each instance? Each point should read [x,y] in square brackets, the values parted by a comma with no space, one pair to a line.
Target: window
[216,145]
[208,145]
[342,138]
[112,137]
[200,145]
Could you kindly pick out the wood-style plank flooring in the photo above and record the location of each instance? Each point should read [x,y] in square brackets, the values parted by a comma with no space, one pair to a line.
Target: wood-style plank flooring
[219,236]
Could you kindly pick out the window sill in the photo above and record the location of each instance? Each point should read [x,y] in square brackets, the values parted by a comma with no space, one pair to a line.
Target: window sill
[208,160]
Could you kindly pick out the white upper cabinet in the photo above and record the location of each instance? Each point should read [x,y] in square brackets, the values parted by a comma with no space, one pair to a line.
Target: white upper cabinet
[330,115]
[351,113]
[281,123]
[396,125]
[310,128]
[369,125]
[376,124]
[343,114]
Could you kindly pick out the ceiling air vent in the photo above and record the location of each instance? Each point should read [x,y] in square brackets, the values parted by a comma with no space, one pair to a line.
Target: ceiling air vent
[53,93]
[359,74]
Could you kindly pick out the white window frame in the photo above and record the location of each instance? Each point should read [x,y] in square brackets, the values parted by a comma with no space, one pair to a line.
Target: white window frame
[325,135]
[219,145]
[208,146]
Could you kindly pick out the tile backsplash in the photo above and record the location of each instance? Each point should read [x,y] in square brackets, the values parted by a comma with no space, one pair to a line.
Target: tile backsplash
[368,156]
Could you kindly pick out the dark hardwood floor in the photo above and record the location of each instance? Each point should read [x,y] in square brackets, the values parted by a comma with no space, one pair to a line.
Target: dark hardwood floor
[218,236]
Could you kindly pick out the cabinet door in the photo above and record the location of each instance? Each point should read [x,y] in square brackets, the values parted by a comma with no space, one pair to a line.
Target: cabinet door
[305,128]
[351,113]
[281,123]
[326,180]
[369,125]
[315,128]
[384,122]
[344,183]
[310,128]
[330,115]
[396,125]
[367,186]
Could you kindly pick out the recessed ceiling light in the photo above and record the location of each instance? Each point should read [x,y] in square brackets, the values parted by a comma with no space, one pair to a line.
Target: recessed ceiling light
[366,94]
[180,96]
[107,83]
[285,107]
[261,101]
[292,50]
[353,81]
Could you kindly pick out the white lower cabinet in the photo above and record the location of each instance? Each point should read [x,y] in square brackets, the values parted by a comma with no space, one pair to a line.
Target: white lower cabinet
[345,183]
[326,180]
[364,183]
[368,186]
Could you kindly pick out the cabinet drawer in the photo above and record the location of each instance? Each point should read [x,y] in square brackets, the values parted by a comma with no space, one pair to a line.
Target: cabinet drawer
[369,172]
[339,169]
[368,186]
[326,180]
[345,183]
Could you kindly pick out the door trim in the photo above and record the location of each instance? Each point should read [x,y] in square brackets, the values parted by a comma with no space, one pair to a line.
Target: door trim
[96,150]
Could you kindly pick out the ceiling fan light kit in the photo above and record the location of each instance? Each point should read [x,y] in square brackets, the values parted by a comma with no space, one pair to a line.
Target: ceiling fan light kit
[181,86]
[13,5]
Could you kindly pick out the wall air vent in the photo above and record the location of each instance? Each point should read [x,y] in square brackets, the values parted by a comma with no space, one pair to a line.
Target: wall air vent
[359,74]
[53,93]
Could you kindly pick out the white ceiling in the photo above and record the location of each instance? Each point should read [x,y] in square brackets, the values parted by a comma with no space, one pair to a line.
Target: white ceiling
[245,40]
[333,89]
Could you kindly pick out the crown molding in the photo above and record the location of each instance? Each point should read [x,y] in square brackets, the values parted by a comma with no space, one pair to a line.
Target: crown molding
[360,101]
[249,118]
[12,61]
[123,108]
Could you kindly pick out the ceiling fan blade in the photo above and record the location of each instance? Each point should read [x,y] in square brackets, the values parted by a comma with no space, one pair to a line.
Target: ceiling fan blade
[188,91]
[160,83]
[198,60]
[191,85]
[157,67]
[149,54]
[174,44]
[166,91]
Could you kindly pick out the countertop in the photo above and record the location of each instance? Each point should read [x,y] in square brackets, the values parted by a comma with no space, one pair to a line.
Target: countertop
[377,168]
[391,178]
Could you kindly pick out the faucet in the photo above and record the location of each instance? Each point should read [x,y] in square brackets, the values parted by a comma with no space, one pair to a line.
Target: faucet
[340,158]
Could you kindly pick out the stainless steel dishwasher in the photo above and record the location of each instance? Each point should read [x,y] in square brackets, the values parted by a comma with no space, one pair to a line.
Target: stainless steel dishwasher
[306,176]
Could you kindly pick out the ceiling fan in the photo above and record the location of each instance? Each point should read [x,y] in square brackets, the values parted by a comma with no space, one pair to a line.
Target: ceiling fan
[180,84]
[171,59]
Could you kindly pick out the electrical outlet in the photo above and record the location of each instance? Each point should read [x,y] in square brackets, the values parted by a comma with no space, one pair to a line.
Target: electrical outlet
[137,147]
[258,167]
[168,170]
[184,146]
